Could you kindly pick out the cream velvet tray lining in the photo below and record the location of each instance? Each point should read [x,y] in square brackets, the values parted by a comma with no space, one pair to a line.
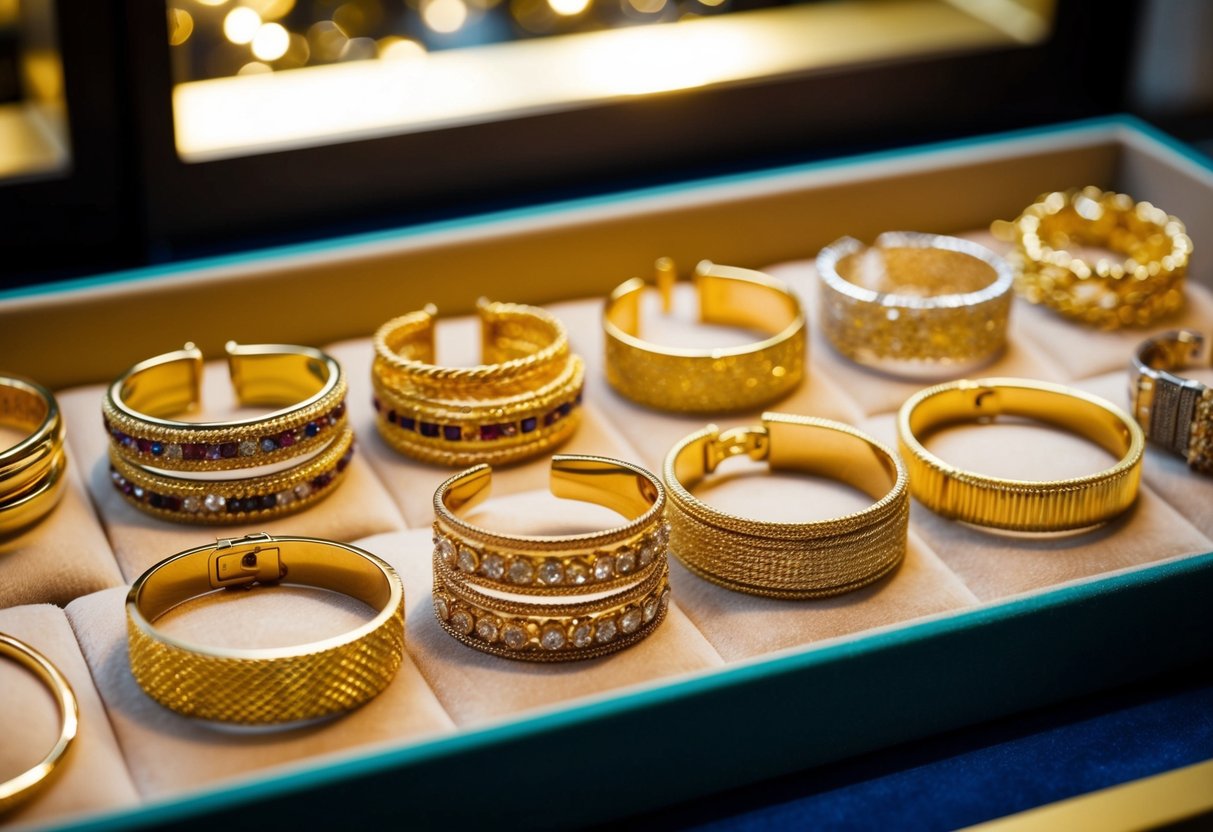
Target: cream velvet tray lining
[144,752]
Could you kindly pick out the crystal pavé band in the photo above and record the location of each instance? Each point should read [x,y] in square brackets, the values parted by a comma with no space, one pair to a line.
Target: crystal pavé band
[32,471]
[266,685]
[525,399]
[603,591]
[914,300]
[1020,505]
[690,380]
[789,560]
[1175,412]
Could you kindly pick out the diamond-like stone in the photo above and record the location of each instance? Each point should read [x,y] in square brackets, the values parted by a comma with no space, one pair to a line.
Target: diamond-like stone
[139,492]
[625,561]
[487,629]
[493,567]
[467,561]
[606,630]
[302,490]
[172,451]
[514,636]
[248,447]
[191,504]
[552,637]
[604,567]
[285,498]
[662,536]
[521,571]
[648,553]
[461,622]
[445,550]
[630,621]
[650,608]
[665,598]
[551,572]
[214,502]
[583,634]
[578,572]
[442,607]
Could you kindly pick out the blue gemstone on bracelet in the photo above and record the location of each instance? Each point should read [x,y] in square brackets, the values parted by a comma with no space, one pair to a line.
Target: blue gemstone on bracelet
[268,444]
[408,422]
[453,433]
[429,429]
[311,428]
[529,424]
[157,448]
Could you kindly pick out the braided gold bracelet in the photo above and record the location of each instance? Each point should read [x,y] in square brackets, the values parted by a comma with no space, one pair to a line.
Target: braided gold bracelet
[525,399]
[708,380]
[1175,412]
[266,685]
[32,471]
[1020,505]
[789,560]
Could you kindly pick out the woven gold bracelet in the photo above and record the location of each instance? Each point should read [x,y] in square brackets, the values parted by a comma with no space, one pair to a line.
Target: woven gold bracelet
[32,471]
[1175,412]
[1020,505]
[708,380]
[266,685]
[789,560]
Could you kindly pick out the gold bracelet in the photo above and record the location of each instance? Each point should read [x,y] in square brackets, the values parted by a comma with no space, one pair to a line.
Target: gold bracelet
[708,380]
[1145,286]
[932,300]
[266,685]
[789,560]
[525,399]
[1020,505]
[26,785]
[613,584]
[32,471]
[1173,411]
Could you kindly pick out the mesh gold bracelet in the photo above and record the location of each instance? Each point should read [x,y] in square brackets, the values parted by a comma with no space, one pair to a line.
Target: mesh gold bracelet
[1107,293]
[1175,412]
[599,592]
[708,380]
[1020,505]
[266,685]
[32,471]
[26,785]
[914,302]
[789,560]
[524,400]
[280,463]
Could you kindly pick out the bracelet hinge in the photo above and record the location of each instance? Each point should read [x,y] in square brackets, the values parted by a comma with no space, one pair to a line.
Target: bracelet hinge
[754,442]
[243,561]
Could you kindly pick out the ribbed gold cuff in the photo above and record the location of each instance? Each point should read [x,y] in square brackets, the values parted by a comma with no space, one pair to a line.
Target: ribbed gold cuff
[1175,412]
[32,471]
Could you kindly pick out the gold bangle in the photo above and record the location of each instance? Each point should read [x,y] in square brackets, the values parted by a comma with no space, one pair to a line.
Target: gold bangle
[1145,286]
[32,471]
[613,585]
[935,301]
[1174,411]
[708,380]
[789,560]
[1020,505]
[26,785]
[266,685]
[524,400]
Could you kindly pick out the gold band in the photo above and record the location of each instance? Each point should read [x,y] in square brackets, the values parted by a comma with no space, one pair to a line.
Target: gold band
[32,471]
[525,399]
[1020,505]
[1145,286]
[1174,411]
[789,560]
[266,685]
[708,380]
[914,301]
[26,785]
[612,585]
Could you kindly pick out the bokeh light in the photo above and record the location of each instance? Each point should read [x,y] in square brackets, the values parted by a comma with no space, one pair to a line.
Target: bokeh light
[241,25]
[444,16]
[271,42]
[569,8]
[180,26]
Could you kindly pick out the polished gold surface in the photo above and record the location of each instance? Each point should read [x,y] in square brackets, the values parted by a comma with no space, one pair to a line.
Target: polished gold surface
[789,560]
[32,471]
[708,380]
[1020,505]
[270,685]
[523,400]
[612,584]
[1104,292]
[26,785]
[1175,412]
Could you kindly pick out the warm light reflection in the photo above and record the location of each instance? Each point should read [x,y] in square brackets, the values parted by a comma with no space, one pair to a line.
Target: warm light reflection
[271,42]
[569,8]
[211,2]
[326,40]
[255,68]
[647,6]
[270,9]
[180,26]
[444,16]
[241,25]
[400,49]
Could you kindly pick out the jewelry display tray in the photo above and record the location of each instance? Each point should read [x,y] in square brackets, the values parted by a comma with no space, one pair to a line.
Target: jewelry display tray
[731,689]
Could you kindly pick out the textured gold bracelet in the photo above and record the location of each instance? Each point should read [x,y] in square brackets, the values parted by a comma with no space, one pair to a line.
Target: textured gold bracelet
[1173,411]
[524,400]
[32,471]
[1145,286]
[914,302]
[266,685]
[24,786]
[611,585]
[789,560]
[708,380]
[1020,505]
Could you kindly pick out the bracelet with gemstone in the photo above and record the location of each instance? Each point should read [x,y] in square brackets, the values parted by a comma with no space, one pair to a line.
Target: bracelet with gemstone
[1175,412]
[708,380]
[914,303]
[266,685]
[811,559]
[602,590]
[1020,505]
[1107,293]
[32,471]
[524,400]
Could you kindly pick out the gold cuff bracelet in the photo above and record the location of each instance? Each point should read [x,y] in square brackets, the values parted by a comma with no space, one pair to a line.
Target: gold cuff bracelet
[32,471]
[1175,412]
